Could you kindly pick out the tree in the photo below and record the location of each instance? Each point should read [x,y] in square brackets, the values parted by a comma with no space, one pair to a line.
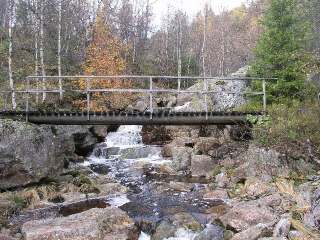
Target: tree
[11,83]
[104,58]
[280,51]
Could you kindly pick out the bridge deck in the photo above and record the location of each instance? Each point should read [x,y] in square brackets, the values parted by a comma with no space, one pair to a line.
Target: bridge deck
[130,118]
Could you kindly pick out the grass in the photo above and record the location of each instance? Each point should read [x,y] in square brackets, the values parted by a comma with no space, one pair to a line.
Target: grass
[291,128]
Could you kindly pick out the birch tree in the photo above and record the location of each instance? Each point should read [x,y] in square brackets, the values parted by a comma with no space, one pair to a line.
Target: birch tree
[59,46]
[10,26]
[43,71]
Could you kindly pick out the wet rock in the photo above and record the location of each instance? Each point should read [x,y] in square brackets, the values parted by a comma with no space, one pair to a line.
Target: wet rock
[180,186]
[100,132]
[253,233]
[254,188]
[181,158]
[204,145]
[107,224]
[164,230]
[296,235]
[100,168]
[247,214]
[138,152]
[282,228]
[211,232]
[202,165]
[111,188]
[30,153]
[219,195]
[185,220]
[83,139]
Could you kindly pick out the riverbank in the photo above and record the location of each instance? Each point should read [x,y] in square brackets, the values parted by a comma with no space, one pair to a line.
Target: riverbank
[192,183]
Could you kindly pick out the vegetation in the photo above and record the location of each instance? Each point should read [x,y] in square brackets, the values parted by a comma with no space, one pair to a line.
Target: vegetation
[280,51]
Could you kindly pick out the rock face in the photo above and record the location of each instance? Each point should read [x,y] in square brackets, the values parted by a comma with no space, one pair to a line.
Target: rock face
[29,153]
[95,224]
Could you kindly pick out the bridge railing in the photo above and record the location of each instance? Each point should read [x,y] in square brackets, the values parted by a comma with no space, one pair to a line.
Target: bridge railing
[38,90]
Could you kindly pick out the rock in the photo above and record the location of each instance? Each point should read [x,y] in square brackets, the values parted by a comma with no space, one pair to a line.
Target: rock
[181,158]
[155,135]
[260,163]
[312,217]
[138,152]
[30,153]
[83,139]
[185,220]
[253,233]
[178,142]
[6,237]
[254,188]
[273,238]
[164,230]
[141,106]
[247,214]
[222,180]
[282,228]
[296,235]
[180,186]
[100,132]
[204,145]
[211,232]
[109,223]
[219,195]
[202,165]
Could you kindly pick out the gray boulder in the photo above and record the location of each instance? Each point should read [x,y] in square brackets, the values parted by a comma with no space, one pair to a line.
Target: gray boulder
[83,138]
[30,153]
[181,158]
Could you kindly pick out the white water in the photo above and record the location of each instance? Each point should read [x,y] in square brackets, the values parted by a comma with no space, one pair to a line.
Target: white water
[125,137]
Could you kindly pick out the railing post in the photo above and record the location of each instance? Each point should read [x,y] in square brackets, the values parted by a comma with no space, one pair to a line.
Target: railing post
[27,103]
[151,97]
[60,89]
[264,96]
[88,98]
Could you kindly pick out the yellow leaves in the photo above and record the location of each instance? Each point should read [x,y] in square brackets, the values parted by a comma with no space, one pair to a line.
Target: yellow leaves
[104,58]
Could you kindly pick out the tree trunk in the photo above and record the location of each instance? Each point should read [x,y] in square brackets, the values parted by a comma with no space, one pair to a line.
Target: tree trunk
[204,42]
[13,95]
[59,47]
[179,40]
[43,71]
[36,48]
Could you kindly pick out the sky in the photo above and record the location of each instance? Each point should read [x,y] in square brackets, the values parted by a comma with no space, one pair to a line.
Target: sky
[191,7]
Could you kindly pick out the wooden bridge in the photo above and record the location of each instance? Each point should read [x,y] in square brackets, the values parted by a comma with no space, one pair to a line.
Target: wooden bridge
[50,100]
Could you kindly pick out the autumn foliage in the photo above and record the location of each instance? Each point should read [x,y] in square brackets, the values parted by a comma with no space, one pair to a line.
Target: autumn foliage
[104,58]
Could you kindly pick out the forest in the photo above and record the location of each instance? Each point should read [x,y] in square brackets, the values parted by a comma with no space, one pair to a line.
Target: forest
[59,37]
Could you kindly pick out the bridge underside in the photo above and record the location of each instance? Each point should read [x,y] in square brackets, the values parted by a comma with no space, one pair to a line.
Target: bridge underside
[130,118]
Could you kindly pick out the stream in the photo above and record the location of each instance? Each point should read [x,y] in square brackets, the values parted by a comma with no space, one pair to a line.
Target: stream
[125,158]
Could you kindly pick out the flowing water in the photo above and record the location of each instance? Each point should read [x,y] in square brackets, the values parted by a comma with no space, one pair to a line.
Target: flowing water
[124,157]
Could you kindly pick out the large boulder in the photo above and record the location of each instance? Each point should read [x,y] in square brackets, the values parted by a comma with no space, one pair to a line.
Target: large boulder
[95,224]
[30,153]
[83,137]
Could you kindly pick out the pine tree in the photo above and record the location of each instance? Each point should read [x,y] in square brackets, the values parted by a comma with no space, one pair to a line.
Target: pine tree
[280,51]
